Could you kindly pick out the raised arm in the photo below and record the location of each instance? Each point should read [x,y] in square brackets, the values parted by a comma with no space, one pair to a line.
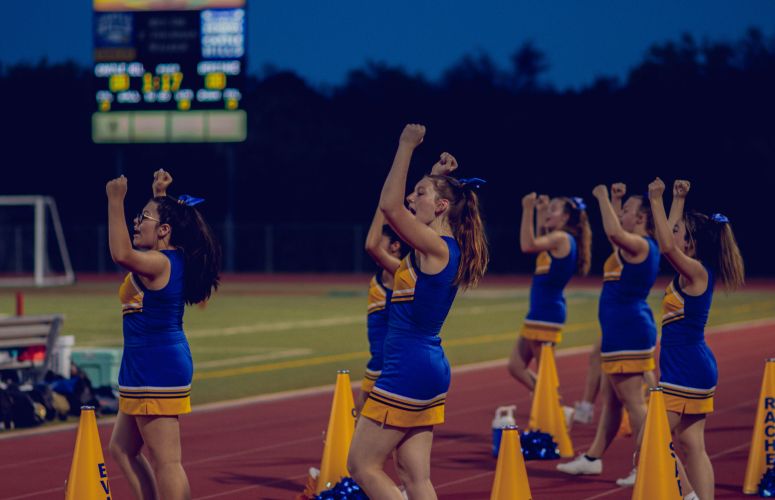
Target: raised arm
[691,269]
[376,251]
[418,235]
[542,208]
[149,264]
[680,190]
[528,242]
[618,190]
[161,181]
[629,243]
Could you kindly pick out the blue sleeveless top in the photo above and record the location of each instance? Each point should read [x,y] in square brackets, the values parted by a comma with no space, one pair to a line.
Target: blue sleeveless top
[154,317]
[623,311]
[420,302]
[683,316]
[547,302]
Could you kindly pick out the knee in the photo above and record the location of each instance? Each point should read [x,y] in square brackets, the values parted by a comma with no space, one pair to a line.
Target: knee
[119,452]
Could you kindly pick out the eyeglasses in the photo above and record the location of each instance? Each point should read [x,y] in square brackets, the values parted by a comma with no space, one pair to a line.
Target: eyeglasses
[141,216]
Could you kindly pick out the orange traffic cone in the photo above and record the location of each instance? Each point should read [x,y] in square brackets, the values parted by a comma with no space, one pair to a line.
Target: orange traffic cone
[341,427]
[510,481]
[657,466]
[546,414]
[625,428]
[88,479]
[761,456]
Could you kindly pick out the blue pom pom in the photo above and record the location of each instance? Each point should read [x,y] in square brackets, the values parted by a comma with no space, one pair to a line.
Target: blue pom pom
[346,489]
[767,484]
[537,445]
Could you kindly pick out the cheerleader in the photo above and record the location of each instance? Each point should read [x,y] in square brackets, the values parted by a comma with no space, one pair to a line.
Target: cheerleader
[443,226]
[173,260]
[563,246]
[627,324]
[702,250]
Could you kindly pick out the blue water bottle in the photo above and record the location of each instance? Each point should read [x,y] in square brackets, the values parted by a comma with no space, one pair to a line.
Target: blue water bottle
[504,416]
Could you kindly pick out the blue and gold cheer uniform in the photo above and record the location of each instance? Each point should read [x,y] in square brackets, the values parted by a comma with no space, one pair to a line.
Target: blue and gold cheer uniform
[629,331]
[413,386]
[377,327]
[547,312]
[688,372]
[156,367]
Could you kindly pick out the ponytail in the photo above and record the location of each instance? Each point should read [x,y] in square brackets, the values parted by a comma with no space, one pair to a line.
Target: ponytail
[201,251]
[578,226]
[715,246]
[467,226]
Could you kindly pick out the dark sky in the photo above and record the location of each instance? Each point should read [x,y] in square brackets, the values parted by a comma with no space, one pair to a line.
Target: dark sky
[321,40]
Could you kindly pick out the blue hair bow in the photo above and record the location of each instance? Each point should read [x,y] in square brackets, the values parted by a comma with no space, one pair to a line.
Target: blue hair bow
[472,182]
[579,202]
[720,218]
[188,200]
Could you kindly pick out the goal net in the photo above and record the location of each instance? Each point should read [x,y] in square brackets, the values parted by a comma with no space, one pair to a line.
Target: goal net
[32,244]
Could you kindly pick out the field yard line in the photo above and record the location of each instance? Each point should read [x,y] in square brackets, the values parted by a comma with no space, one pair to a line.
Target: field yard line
[320,323]
[319,360]
[286,353]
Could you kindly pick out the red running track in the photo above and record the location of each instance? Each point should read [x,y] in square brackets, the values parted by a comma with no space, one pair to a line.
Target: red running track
[263,449]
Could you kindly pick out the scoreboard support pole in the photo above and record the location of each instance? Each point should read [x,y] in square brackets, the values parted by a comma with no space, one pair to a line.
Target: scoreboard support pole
[231,193]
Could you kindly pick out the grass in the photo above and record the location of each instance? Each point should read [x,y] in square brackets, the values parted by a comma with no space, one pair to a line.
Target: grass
[261,338]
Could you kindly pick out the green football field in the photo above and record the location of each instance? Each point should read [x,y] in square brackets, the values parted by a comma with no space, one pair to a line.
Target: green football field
[257,338]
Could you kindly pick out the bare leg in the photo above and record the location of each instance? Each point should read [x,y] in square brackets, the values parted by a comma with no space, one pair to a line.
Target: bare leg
[125,447]
[690,431]
[519,362]
[592,387]
[371,445]
[162,437]
[628,388]
[610,419]
[414,457]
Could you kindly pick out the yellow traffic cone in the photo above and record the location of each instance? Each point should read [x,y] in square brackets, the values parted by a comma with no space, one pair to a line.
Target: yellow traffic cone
[341,426]
[510,481]
[88,479]
[546,413]
[761,456]
[625,428]
[657,466]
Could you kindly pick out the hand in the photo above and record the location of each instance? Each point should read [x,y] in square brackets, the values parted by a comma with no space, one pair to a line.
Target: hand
[116,189]
[542,203]
[445,166]
[681,188]
[161,181]
[618,190]
[412,135]
[528,201]
[656,189]
[600,191]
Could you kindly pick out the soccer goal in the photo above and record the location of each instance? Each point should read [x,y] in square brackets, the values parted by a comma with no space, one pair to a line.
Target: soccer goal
[33,251]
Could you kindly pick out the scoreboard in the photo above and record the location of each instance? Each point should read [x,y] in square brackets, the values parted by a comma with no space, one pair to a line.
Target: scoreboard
[169,71]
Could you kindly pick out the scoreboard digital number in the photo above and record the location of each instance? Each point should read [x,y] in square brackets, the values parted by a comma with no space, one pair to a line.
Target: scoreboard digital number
[169,71]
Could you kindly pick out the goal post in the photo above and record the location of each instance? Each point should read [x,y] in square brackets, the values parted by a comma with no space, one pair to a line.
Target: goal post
[45,223]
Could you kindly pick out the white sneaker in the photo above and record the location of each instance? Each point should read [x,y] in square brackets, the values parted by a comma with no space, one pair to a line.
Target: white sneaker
[629,480]
[581,466]
[568,411]
[584,412]
[692,496]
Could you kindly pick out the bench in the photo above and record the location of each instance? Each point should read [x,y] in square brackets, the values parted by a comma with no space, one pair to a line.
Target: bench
[27,344]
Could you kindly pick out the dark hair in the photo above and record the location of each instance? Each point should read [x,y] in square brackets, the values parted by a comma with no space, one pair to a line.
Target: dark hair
[201,251]
[578,226]
[393,237]
[715,246]
[467,226]
[645,209]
